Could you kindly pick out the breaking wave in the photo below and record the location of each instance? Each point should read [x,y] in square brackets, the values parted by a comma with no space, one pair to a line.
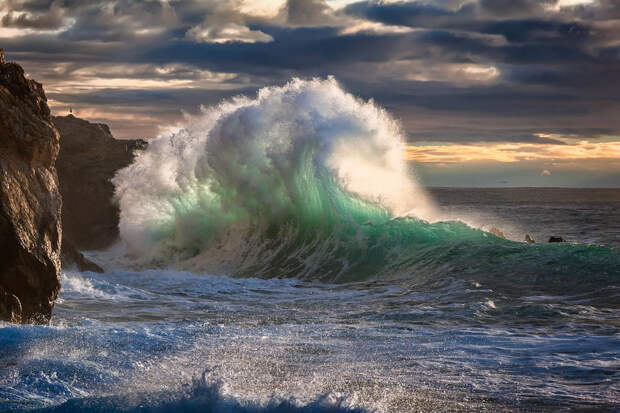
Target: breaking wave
[307,181]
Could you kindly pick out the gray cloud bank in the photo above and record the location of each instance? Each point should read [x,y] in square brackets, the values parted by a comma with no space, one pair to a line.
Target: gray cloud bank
[452,71]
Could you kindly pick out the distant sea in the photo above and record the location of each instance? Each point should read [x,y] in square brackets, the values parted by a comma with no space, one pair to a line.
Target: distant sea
[585,215]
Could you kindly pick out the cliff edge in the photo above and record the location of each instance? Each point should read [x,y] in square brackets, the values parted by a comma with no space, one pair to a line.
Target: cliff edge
[30,201]
[89,157]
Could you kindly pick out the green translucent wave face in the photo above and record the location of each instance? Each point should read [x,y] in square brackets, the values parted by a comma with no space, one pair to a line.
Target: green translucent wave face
[300,222]
[256,193]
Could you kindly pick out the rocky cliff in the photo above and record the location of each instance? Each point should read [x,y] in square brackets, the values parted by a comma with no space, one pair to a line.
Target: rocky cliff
[89,157]
[30,203]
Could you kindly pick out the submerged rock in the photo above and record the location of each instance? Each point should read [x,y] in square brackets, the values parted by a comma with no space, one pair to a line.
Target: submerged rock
[529,239]
[497,232]
[72,257]
[89,157]
[10,307]
[556,239]
[30,203]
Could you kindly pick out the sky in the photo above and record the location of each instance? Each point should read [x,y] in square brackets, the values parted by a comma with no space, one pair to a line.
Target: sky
[489,92]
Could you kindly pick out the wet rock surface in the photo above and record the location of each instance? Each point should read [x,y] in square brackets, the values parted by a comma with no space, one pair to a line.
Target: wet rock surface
[71,257]
[30,202]
[89,157]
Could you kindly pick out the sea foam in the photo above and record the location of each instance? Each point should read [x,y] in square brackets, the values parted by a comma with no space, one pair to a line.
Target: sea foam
[289,154]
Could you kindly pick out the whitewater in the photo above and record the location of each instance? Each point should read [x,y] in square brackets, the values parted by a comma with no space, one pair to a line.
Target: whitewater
[277,254]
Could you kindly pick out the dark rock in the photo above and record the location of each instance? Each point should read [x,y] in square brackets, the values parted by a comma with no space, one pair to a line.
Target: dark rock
[10,307]
[497,232]
[529,239]
[72,257]
[556,239]
[89,157]
[30,203]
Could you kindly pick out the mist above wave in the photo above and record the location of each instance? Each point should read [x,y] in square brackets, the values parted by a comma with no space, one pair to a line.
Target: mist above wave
[307,181]
[306,154]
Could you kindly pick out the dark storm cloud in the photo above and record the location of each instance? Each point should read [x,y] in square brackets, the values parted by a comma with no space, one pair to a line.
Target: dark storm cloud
[315,51]
[605,10]
[411,14]
[307,12]
[31,6]
[510,8]
[307,51]
[458,45]
[186,99]
[51,20]
[535,30]
[508,62]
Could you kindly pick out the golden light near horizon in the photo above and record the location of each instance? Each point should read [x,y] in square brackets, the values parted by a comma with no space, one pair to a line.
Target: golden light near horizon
[511,152]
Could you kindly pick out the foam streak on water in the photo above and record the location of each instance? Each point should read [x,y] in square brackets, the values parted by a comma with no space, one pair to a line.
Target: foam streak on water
[165,338]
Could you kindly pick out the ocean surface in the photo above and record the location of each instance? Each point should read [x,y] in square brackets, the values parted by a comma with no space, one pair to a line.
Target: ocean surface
[277,255]
[160,340]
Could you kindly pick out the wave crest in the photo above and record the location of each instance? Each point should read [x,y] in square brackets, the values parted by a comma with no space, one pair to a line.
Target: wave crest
[307,181]
[299,161]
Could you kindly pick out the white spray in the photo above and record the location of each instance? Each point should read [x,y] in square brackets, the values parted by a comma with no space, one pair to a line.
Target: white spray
[173,195]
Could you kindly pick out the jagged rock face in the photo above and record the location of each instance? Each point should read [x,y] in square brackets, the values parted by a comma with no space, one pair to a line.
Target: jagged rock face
[30,202]
[71,257]
[89,157]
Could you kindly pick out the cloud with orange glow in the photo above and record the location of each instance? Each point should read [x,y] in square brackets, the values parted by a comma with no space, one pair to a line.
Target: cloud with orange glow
[512,152]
